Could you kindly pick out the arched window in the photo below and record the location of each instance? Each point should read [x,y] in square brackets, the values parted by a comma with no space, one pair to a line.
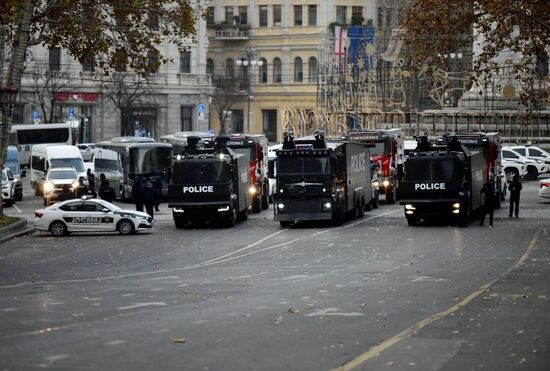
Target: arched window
[229,68]
[313,69]
[277,73]
[298,70]
[263,71]
[210,66]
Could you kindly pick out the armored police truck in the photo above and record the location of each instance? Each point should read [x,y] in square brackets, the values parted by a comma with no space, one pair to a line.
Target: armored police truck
[442,181]
[210,184]
[315,182]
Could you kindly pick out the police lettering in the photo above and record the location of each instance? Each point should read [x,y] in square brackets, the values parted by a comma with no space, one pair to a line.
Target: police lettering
[429,186]
[358,163]
[86,219]
[198,189]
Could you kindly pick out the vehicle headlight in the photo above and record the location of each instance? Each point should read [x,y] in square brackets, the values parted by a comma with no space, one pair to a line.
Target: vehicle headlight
[178,209]
[327,206]
[376,184]
[386,183]
[75,185]
[409,207]
[539,161]
[222,209]
[280,206]
[456,205]
[48,187]
[252,190]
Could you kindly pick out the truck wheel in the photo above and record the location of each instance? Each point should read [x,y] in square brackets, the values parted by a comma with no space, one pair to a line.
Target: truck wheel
[412,221]
[368,206]
[390,195]
[532,173]
[256,204]
[338,216]
[180,222]
[285,223]
[232,218]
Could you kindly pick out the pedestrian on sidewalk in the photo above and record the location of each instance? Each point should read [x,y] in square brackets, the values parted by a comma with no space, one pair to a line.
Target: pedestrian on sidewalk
[137,194]
[515,189]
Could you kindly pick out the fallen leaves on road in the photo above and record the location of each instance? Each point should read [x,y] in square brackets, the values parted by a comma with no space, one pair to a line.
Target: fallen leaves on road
[179,340]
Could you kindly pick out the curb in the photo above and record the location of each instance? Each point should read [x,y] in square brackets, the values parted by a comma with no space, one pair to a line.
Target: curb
[19,228]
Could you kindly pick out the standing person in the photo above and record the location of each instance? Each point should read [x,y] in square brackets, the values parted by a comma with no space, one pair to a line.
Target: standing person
[137,194]
[91,182]
[157,186]
[489,204]
[515,189]
[148,193]
[81,189]
[106,192]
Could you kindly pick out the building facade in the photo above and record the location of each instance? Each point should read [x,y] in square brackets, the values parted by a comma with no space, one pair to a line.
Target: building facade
[56,88]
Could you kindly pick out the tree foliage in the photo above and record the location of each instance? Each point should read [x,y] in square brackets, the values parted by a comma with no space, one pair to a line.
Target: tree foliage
[439,27]
[227,91]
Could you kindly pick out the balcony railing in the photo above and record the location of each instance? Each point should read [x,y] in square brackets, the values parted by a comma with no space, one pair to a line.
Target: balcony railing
[232,32]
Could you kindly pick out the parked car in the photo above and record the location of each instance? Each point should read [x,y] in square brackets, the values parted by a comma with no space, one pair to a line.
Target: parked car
[533,153]
[512,168]
[90,215]
[534,167]
[8,187]
[60,184]
[87,151]
[544,188]
[12,161]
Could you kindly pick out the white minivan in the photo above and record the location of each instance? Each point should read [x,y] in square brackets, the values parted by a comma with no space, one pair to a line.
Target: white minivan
[46,156]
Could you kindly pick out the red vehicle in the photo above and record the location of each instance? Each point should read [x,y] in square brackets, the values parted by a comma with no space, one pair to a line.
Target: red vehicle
[256,146]
[386,157]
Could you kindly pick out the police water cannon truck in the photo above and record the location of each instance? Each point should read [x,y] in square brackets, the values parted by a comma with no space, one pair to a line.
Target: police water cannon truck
[210,184]
[442,180]
[318,182]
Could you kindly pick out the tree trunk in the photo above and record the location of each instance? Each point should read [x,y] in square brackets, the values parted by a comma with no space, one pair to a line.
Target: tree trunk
[15,71]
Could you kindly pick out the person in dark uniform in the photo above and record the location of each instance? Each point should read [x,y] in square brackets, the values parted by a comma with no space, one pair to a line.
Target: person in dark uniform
[157,186]
[106,192]
[515,189]
[148,193]
[489,204]
[137,194]
[91,182]
[81,189]
[463,200]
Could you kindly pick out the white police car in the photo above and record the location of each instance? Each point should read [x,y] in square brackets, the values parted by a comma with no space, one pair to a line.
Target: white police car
[90,215]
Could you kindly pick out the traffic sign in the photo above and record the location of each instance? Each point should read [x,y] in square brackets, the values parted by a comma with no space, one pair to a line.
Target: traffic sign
[202,109]
[35,115]
[72,112]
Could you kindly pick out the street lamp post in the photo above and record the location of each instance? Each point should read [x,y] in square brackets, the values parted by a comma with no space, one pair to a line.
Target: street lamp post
[248,59]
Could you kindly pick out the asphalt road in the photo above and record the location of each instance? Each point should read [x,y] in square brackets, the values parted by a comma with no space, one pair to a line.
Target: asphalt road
[374,294]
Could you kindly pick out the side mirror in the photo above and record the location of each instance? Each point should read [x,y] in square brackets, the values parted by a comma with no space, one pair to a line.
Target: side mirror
[105,210]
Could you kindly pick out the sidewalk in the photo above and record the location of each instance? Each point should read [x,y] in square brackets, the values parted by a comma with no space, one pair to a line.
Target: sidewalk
[16,229]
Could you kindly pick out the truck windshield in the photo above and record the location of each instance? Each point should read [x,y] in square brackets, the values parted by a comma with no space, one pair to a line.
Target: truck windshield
[195,172]
[426,169]
[62,174]
[68,162]
[303,165]
[14,166]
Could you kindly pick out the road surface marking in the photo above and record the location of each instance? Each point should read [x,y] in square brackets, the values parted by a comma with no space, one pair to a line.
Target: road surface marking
[376,350]
[16,208]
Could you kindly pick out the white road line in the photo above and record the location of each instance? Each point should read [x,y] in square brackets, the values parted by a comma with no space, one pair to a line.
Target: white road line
[18,209]
[221,259]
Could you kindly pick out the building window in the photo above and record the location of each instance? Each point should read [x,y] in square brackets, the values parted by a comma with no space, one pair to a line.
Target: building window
[185,62]
[210,20]
[54,59]
[243,14]
[270,124]
[153,62]
[313,70]
[298,70]
[380,17]
[263,71]
[542,65]
[210,66]
[263,15]
[298,21]
[277,70]
[88,63]
[186,118]
[276,15]
[229,68]
[388,17]
[357,15]
[312,15]
[229,14]
[341,14]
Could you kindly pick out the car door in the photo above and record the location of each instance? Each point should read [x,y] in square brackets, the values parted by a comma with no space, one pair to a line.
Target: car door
[104,218]
[69,212]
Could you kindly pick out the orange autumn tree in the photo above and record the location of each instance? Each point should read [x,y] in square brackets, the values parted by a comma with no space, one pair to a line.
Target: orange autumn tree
[436,28]
[114,33]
